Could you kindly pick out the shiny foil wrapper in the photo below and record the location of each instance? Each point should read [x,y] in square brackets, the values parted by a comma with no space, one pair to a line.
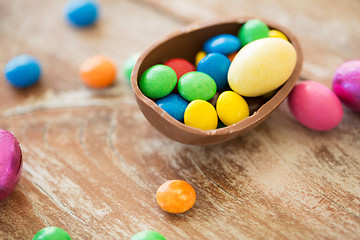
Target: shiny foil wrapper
[10,163]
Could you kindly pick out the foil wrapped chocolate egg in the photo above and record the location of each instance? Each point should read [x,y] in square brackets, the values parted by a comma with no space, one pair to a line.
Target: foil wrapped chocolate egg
[346,84]
[10,163]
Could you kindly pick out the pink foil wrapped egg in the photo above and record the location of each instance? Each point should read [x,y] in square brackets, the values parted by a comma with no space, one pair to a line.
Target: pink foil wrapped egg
[346,84]
[10,163]
[315,106]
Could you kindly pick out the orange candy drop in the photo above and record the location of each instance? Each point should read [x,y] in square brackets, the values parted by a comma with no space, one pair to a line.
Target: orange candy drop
[98,72]
[175,196]
[231,56]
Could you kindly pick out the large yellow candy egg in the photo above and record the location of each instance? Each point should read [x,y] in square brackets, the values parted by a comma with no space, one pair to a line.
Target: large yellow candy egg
[262,66]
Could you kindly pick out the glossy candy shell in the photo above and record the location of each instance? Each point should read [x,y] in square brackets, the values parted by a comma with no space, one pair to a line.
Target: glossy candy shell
[315,106]
[81,13]
[10,163]
[51,233]
[174,105]
[196,85]
[158,81]
[201,114]
[148,235]
[98,72]
[23,71]
[223,43]
[176,196]
[231,108]
[216,65]
[346,84]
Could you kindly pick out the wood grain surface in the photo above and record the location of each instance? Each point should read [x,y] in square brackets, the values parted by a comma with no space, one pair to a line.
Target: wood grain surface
[92,163]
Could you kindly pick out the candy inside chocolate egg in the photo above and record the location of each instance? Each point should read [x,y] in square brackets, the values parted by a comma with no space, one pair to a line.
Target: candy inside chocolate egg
[186,43]
[10,163]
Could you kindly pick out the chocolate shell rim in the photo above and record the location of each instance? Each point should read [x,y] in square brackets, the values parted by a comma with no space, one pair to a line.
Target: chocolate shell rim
[249,122]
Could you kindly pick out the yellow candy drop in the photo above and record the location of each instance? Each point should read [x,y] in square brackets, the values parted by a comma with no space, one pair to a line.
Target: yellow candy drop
[277,34]
[201,114]
[200,55]
[231,108]
[262,66]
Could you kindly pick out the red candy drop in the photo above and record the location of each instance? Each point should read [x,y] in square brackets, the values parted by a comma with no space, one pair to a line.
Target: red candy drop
[180,66]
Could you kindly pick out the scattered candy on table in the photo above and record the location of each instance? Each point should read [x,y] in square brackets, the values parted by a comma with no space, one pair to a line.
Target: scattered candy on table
[158,81]
[254,63]
[315,106]
[23,71]
[129,65]
[98,72]
[10,163]
[51,233]
[174,105]
[346,84]
[81,13]
[148,235]
[176,196]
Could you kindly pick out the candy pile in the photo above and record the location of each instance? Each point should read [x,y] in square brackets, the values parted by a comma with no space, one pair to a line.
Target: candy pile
[210,93]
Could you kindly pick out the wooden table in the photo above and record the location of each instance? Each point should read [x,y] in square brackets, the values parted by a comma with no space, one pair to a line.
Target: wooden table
[92,163]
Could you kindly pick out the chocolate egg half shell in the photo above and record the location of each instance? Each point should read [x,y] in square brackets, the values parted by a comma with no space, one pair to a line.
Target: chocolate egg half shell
[186,43]
[10,163]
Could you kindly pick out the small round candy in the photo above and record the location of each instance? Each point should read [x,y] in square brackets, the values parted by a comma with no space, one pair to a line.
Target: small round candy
[315,106]
[223,43]
[98,72]
[129,65]
[196,85]
[216,65]
[23,71]
[231,108]
[200,55]
[174,105]
[180,66]
[81,13]
[148,235]
[10,163]
[252,30]
[201,114]
[51,233]
[175,196]
[231,56]
[277,34]
[157,81]
[346,84]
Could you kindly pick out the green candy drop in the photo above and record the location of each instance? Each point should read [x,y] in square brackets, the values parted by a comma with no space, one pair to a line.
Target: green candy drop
[129,65]
[252,30]
[158,81]
[51,233]
[148,235]
[196,85]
